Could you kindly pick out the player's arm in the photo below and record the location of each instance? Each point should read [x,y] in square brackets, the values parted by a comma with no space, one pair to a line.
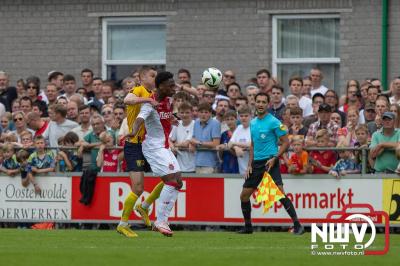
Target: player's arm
[132,99]
[136,126]
[190,90]
[145,111]
[284,140]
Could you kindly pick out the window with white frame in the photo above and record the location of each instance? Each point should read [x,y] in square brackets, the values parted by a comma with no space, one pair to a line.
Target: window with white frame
[302,42]
[129,43]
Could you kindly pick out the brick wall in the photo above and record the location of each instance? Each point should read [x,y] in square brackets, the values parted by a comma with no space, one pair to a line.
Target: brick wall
[40,36]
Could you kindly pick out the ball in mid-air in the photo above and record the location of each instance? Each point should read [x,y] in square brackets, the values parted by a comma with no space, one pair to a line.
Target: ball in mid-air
[212,77]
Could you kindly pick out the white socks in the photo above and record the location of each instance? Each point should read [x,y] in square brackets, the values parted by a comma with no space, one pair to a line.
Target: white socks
[166,202]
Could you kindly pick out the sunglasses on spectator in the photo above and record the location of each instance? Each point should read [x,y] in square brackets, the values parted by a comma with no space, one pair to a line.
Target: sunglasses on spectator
[31,87]
[18,119]
[229,76]
[118,113]
[106,112]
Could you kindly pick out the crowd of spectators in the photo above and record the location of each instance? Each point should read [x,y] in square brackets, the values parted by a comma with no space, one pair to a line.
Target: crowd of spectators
[71,123]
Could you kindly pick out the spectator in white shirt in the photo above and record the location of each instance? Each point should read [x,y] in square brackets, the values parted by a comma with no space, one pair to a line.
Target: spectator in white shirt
[305,103]
[316,81]
[241,139]
[180,137]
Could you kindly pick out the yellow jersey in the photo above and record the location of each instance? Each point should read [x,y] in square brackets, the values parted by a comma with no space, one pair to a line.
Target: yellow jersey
[132,111]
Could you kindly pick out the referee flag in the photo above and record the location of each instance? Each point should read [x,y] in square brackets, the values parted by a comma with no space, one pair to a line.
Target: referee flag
[268,192]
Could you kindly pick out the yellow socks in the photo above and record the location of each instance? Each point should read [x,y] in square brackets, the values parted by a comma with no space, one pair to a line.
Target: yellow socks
[128,206]
[155,194]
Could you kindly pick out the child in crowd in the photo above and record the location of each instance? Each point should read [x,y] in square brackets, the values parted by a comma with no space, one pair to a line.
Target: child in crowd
[71,158]
[363,141]
[178,99]
[42,160]
[296,119]
[229,160]
[298,161]
[26,170]
[286,117]
[10,165]
[180,136]
[26,140]
[322,161]
[345,165]
[241,139]
[107,159]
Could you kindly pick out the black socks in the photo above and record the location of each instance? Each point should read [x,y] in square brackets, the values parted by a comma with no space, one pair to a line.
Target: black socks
[246,210]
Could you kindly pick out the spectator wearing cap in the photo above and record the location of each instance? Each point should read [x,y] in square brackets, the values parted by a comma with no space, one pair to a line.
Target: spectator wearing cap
[384,143]
[369,112]
[324,122]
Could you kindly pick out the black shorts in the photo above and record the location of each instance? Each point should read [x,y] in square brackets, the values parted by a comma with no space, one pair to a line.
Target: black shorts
[258,172]
[135,161]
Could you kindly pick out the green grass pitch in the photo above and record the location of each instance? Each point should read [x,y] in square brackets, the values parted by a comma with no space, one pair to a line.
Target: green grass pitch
[95,247]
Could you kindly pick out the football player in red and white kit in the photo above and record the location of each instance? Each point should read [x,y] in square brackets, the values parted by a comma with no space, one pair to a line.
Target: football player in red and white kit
[156,149]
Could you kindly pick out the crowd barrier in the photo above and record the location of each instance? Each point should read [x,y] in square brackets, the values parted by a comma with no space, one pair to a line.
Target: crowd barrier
[203,199]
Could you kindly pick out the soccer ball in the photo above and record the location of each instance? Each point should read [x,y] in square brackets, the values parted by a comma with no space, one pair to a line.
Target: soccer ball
[212,77]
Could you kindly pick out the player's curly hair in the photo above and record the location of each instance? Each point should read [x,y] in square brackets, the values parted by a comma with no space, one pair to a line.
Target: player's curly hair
[163,76]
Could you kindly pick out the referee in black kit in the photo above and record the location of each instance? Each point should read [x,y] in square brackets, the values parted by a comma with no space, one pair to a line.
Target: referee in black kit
[265,132]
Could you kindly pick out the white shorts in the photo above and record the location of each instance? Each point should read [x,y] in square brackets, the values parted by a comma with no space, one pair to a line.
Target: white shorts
[162,161]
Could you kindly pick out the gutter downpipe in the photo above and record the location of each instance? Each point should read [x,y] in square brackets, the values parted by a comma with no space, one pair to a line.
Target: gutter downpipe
[385,25]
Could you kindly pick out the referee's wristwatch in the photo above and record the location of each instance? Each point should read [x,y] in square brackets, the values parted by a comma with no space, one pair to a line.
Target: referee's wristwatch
[275,157]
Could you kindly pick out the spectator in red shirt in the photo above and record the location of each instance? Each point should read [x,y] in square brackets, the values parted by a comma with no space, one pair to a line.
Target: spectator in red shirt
[107,159]
[322,161]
